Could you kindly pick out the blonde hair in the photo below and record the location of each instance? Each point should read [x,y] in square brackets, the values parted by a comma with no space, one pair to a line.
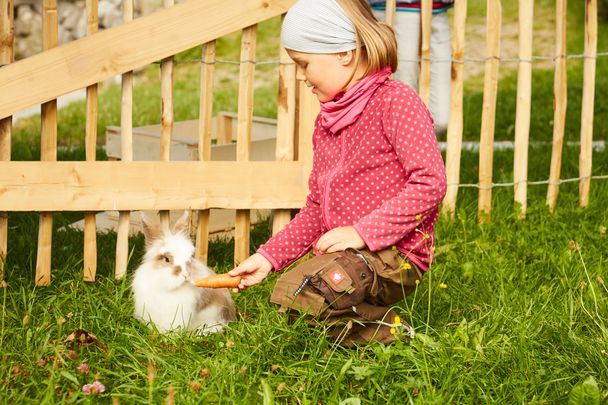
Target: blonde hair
[376,42]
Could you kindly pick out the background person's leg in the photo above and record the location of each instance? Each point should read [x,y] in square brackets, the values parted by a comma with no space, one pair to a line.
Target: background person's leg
[407,30]
[441,71]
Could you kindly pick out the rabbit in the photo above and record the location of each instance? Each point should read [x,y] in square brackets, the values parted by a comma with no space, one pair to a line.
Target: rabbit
[163,293]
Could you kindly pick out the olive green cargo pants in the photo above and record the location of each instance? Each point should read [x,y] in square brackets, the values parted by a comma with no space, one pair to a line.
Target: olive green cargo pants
[350,292]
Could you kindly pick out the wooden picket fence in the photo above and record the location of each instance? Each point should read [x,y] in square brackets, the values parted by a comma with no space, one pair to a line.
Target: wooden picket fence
[90,186]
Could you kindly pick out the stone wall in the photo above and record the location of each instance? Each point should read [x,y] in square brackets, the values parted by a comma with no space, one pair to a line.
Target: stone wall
[72,21]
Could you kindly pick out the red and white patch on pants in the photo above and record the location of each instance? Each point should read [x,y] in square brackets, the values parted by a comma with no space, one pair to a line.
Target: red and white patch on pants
[336,277]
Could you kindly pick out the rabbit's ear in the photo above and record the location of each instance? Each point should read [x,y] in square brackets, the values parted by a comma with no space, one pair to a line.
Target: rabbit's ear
[151,232]
[181,226]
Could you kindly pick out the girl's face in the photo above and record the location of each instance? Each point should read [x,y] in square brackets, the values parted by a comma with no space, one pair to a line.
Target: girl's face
[327,74]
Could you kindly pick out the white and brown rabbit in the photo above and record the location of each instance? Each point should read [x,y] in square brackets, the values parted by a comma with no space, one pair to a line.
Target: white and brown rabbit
[162,285]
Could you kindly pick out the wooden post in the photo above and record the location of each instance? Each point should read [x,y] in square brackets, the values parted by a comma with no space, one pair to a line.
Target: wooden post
[48,146]
[488,113]
[308,109]
[286,116]
[204,140]
[390,10]
[524,105]
[586,153]
[90,227]
[245,116]
[224,131]
[424,82]
[166,122]
[126,155]
[455,124]
[560,94]
[7,37]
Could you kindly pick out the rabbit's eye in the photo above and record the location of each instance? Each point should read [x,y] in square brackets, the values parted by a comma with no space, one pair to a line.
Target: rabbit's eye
[165,259]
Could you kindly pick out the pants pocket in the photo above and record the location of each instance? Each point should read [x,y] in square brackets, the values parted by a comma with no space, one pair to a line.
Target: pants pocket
[290,293]
[344,281]
[396,277]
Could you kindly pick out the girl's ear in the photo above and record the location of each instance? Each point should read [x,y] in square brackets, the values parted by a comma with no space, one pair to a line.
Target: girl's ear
[345,58]
[151,232]
[181,226]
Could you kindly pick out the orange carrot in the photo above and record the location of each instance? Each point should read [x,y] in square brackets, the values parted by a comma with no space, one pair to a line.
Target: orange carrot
[219,281]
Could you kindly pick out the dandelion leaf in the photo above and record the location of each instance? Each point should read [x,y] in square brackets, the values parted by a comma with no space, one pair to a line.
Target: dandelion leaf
[585,393]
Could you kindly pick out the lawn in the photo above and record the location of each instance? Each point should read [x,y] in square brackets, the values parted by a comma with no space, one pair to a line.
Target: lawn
[511,312]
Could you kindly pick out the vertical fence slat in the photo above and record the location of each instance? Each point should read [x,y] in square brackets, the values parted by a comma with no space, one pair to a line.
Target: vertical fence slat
[560,100]
[524,105]
[244,122]
[48,146]
[455,124]
[224,128]
[286,113]
[204,140]
[126,155]
[390,10]
[424,82]
[586,152]
[7,37]
[308,109]
[90,227]
[488,113]
[166,121]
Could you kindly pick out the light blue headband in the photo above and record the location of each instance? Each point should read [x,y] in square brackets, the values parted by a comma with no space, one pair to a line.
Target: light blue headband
[318,26]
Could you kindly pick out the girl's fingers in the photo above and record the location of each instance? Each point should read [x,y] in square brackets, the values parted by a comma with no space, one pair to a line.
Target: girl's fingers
[236,272]
[334,248]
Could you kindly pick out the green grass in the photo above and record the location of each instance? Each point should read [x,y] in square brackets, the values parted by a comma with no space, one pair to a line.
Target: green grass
[522,319]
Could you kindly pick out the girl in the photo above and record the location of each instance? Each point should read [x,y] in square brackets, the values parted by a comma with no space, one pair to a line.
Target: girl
[376,182]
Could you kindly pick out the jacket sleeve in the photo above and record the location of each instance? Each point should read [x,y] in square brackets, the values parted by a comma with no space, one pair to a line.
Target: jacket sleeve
[298,236]
[408,126]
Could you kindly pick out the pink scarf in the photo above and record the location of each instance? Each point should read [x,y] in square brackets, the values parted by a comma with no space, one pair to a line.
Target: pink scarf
[346,107]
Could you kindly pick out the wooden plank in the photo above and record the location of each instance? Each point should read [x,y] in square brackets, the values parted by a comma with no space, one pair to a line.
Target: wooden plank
[202,235]
[245,98]
[286,117]
[129,186]
[488,113]
[206,101]
[586,152]
[126,150]
[524,106]
[560,101]
[390,11]
[166,121]
[308,109]
[7,37]
[455,123]
[90,227]
[48,147]
[204,142]
[224,135]
[424,82]
[244,122]
[104,55]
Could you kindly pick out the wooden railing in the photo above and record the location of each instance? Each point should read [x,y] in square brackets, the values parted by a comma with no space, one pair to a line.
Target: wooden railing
[89,186]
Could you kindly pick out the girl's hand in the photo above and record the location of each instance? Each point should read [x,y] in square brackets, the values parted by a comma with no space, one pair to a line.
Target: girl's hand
[252,271]
[338,239]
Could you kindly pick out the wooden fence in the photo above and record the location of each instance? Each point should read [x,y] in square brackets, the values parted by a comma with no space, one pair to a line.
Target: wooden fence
[89,186]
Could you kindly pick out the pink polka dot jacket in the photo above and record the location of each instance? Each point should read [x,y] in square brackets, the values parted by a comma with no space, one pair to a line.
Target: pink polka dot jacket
[383,175]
